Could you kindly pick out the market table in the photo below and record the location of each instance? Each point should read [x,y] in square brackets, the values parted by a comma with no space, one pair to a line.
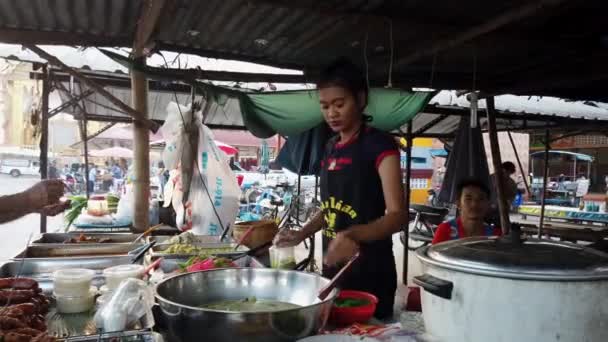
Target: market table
[564,213]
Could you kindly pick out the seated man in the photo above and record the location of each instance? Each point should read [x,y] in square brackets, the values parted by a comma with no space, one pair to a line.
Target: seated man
[473,202]
[44,198]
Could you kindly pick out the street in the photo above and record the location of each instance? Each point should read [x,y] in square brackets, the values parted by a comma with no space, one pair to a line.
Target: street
[14,235]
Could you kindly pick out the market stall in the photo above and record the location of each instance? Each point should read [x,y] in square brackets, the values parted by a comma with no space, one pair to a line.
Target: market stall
[484,51]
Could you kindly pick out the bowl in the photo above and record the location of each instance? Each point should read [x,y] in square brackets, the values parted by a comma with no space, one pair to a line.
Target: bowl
[183,316]
[341,316]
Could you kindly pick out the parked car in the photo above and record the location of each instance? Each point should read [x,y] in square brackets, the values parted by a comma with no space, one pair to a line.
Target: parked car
[18,167]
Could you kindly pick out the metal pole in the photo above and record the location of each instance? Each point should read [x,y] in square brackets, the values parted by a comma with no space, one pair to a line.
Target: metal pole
[544,191]
[408,172]
[574,171]
[521,169]
[503,206]
[44,136]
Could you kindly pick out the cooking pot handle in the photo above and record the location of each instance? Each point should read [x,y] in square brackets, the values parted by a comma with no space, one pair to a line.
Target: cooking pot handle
[438,287]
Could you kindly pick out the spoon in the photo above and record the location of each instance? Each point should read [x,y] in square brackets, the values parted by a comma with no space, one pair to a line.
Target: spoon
[325,291]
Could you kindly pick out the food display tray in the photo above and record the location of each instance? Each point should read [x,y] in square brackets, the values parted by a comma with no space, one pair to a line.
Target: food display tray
[199,239]
[172,265]
[157,251]
[42,269]
[60,238]
[63,250]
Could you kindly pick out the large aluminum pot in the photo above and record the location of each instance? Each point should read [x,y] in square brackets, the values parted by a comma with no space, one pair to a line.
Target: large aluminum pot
[488,289]
[183,319]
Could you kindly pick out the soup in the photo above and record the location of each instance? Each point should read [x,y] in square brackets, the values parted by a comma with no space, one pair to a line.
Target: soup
[251,304]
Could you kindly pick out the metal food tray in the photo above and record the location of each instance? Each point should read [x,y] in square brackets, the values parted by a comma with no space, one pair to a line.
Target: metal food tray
[172,265]
[124,336]
[59,238]
[42,270]
[200,239]
[63,250]
[157,251]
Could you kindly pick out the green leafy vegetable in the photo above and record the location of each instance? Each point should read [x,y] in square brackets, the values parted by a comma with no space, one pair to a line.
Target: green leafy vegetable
[77,204]
[350,302]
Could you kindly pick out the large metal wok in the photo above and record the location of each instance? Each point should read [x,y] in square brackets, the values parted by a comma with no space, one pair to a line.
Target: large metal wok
[182,319]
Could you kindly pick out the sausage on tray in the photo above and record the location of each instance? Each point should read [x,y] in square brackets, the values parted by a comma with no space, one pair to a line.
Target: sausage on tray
[18,283]
[16,296]
[10,323]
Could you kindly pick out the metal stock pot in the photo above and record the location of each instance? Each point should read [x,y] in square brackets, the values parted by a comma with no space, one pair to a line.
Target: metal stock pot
[508,289]
[180,299]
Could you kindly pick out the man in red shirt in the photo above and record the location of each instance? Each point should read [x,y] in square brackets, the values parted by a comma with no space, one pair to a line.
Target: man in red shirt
[473,205]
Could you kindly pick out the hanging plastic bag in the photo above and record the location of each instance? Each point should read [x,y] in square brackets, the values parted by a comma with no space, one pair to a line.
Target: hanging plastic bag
[173,132]
[214,193]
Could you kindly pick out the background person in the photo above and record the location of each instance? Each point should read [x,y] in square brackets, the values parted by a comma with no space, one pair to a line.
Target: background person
[473,205]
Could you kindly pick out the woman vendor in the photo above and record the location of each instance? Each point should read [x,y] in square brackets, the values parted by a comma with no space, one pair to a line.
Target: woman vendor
[473,201]
[361,190]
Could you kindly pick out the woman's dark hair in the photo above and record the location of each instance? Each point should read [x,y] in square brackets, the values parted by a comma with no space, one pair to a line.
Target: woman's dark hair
[345,74]
[474,183]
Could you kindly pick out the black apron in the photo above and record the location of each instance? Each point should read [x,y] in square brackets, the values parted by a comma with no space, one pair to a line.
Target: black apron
[353,195]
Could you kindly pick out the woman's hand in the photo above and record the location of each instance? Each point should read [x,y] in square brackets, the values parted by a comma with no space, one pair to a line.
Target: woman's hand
[288,238]
[341,249]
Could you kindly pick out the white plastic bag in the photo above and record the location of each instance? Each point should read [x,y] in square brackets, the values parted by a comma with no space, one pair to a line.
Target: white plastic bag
[130,302]
[126,206]
[213,200]
[173,132]
[215,203]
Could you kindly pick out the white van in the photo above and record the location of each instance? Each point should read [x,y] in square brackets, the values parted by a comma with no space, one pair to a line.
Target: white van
[18,167]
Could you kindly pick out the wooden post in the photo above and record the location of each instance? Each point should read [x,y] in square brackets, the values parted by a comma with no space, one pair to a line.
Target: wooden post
[544,191]
[521,169]
[503,206]
[408,172]
[141,148]
[44,136]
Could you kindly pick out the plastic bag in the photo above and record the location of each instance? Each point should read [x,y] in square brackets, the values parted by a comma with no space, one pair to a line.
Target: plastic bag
[216,202]
[282,258]
[130,302]
[126,206]
[173,132]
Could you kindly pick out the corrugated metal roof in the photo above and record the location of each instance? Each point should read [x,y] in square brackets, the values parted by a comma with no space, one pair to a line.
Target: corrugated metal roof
[541,54]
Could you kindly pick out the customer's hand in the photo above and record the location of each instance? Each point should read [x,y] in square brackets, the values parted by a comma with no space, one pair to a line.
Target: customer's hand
[46,193]
[288,238]
[55,209]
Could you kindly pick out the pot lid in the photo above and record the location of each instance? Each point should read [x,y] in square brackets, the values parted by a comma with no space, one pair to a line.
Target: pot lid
[525,259]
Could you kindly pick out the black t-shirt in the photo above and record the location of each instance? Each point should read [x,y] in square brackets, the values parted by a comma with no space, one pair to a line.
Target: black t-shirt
[351,191]
[351,194]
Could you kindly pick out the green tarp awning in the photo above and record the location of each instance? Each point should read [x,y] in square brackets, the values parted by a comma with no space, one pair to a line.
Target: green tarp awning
[293,112]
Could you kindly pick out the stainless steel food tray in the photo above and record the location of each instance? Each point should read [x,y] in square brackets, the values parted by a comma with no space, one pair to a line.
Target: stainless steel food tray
[172,265]
[200,239]
[157,251]
[59,238]
[61,250]
[42,269]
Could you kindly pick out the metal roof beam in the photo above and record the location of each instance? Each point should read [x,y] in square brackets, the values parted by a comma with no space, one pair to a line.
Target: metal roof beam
[93,85]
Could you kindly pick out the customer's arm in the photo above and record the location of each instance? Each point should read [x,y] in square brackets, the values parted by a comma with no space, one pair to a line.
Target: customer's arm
[43,197]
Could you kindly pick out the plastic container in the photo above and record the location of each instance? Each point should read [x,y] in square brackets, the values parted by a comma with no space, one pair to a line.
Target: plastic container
[115,275]
[74,282]
[75,304]
[97,206]
[282,258]
[342,316]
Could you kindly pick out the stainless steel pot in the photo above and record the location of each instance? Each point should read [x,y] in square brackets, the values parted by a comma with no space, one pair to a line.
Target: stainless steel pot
[182,318]
[488,289]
